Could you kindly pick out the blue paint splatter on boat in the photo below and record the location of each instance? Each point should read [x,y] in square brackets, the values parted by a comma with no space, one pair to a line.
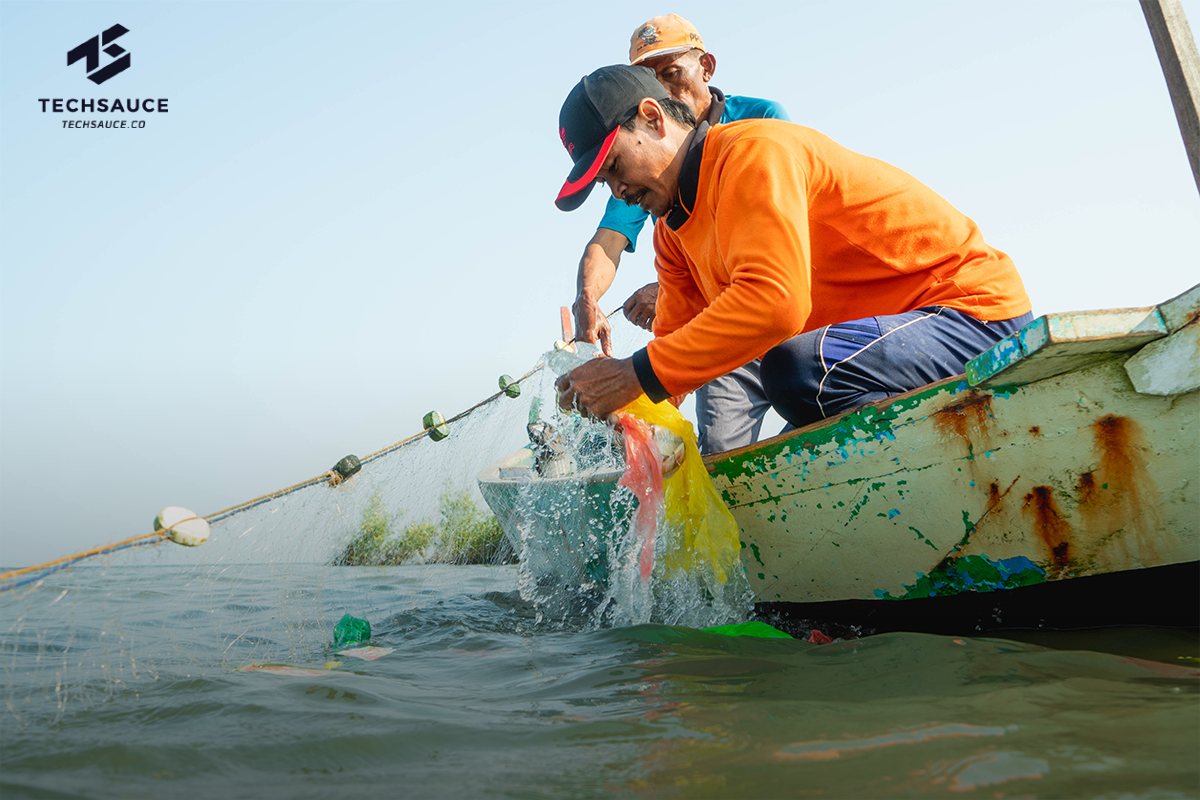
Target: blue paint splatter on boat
[971,574]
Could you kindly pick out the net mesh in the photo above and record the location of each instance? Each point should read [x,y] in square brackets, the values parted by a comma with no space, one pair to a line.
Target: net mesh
[419,502]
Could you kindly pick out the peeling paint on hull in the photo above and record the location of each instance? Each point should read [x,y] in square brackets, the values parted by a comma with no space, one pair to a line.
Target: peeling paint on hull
[1075,475]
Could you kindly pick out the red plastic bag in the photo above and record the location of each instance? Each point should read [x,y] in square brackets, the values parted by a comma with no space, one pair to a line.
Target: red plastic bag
[643,477]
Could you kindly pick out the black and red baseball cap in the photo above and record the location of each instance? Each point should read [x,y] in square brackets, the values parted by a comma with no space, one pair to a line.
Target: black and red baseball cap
[590,118]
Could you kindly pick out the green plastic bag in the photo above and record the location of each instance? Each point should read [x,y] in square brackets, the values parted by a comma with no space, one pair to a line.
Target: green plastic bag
[350,630]
[754,628]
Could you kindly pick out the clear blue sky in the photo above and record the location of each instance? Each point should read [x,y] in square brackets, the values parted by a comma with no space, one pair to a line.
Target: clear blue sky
[345,218]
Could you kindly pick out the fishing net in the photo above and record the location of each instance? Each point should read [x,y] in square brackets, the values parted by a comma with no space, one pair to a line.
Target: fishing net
[621,523]
[77,641]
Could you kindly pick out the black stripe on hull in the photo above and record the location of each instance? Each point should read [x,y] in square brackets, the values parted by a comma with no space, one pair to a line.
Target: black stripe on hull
[1167,596]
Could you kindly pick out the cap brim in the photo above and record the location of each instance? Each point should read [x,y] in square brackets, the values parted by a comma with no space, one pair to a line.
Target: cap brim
[666,51]
[582,176]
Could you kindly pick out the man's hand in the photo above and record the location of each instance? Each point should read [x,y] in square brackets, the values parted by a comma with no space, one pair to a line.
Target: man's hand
[599,387]
[597,269]
[591,324]
[639,308]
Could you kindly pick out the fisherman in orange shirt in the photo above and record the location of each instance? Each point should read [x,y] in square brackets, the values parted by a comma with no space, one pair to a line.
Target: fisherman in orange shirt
[730,408]
[851,280]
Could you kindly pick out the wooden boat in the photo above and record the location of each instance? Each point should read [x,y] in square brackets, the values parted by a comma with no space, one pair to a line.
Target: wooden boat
[1056,483]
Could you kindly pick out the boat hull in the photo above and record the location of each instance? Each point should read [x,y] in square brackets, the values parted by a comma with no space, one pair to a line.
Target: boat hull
[953,489]
[1067,451]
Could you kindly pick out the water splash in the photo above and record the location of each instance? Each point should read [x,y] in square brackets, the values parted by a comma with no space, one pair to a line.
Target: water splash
[582,535]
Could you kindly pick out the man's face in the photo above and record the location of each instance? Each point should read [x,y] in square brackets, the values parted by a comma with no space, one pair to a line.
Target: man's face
[685,77]
[638,168]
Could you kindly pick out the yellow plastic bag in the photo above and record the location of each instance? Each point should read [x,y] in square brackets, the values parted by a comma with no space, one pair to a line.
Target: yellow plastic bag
[701,532]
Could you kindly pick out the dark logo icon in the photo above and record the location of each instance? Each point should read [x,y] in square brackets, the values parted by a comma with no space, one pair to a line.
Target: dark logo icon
[90,50]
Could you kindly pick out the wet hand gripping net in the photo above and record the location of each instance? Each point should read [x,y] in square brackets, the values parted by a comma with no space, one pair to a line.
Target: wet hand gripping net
[268,584]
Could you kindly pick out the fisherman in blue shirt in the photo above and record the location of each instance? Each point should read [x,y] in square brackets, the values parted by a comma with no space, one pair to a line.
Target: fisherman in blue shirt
[730,409]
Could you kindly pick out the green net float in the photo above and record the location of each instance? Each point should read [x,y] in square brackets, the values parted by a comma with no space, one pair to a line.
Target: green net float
[435,423]
[185,527]
[509,386]
[350,465]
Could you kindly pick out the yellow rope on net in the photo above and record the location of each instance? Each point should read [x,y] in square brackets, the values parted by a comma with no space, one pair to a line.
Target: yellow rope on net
[97,551]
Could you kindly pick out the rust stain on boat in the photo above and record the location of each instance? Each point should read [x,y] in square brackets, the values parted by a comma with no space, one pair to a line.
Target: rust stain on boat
[1087,489]
[1118,495]
[969,419]
[1051,528]
[1117,445]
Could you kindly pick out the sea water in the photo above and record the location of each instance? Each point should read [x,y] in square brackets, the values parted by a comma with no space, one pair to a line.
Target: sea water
[147,683]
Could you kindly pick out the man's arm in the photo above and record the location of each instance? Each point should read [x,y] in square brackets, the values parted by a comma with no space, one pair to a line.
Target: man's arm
[597,268]
[603,386]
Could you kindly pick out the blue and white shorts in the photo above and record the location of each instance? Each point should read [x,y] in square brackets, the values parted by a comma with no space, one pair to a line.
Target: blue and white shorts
[839,367]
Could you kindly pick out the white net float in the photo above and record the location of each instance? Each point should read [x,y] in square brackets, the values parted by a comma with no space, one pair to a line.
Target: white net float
[186,528]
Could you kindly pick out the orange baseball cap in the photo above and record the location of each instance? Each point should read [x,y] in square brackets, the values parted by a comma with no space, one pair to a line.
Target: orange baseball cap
[662,36]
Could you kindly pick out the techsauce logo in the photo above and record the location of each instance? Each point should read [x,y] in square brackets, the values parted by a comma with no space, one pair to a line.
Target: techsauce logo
[90,50]
[89,54]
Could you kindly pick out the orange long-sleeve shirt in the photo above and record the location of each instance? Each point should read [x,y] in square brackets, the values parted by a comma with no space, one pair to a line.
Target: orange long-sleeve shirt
[789,231]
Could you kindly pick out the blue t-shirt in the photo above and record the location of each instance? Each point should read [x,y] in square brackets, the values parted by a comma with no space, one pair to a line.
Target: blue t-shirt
[628,220]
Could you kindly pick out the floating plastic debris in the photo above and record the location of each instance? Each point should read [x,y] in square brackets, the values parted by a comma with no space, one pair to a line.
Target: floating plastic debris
[350,630]
[283,669]
[366,653]
[755,628]
[816,637]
